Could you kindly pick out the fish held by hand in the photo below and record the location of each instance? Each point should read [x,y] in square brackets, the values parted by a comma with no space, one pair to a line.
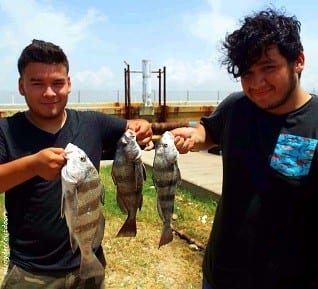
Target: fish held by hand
[166,177]
[129,174]
[81,205]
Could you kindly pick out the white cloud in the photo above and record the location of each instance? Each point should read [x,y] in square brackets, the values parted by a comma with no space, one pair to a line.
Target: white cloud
[95,48]
[197,75]
[210,26]
[30,19]
[26,20]
[102,78]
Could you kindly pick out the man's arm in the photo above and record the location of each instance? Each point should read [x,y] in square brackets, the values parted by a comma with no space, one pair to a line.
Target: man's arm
[46,163]
[192,138]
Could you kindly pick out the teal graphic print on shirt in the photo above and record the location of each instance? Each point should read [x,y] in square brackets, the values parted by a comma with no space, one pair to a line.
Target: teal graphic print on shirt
[293,155]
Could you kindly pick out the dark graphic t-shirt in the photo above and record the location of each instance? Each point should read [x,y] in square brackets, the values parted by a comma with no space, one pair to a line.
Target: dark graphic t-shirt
[265,229]
[38,236]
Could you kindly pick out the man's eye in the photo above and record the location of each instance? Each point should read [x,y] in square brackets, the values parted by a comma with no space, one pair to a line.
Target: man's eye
[59,83]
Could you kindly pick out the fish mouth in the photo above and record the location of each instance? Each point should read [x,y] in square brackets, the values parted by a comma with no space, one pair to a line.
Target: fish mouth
[68,176]
[67,152]
[130,134]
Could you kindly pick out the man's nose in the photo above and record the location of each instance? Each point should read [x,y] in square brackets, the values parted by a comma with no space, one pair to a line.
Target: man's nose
[49,91]
[258,80]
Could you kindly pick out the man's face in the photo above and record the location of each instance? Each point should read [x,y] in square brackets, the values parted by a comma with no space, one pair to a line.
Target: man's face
[45,88]
[271,82]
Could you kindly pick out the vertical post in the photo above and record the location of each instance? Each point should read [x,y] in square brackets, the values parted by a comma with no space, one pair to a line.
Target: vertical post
[146,81]
[129,104]
[126,89]
[127,93]
[164,87]
[164,107]
[159,90]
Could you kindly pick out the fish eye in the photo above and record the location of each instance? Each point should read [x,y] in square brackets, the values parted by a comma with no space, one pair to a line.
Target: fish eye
[165,145]
[82,159]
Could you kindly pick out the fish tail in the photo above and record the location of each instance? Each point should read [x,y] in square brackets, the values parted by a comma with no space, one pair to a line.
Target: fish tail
[129,229]
[91,267]
[166,235]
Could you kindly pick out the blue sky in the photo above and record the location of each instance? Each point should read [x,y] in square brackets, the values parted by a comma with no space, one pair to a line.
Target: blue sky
[184,36]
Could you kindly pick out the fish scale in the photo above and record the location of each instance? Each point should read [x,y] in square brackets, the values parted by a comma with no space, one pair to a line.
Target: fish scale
[128,173]
[166,177]
[81,205]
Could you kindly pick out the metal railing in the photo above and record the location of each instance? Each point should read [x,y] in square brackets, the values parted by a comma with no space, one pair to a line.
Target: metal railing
[102,96]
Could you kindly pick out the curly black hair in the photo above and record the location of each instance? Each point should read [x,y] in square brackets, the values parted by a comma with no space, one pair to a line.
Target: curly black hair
[41,51]
[245,46]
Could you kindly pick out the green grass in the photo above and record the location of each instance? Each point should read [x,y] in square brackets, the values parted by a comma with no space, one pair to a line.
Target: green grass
[189,209]
[3,233]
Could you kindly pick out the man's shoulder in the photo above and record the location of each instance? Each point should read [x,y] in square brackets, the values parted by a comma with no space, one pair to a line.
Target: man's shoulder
[234,99]
[81,114]
[19,116]
[92,115]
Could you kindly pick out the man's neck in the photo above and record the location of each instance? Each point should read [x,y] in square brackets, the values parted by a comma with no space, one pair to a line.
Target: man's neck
[50,125]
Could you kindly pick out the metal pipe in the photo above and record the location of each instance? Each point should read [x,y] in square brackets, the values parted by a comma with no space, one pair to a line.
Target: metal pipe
[159,128]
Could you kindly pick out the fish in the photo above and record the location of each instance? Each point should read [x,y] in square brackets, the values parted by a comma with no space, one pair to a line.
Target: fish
[81,205]
[128,174]
[166,177]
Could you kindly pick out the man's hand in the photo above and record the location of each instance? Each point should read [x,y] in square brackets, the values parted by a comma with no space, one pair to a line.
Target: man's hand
[49,162]
[192,138]
[46,163]
[184,139]
[143,131]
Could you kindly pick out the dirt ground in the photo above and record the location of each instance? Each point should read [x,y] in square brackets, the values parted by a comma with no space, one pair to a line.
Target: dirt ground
[137,263]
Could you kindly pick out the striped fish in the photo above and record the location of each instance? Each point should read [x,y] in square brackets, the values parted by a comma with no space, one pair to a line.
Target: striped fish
[128,173]
[166,177]
[82,197]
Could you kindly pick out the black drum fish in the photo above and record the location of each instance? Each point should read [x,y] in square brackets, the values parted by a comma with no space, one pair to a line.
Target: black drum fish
[166,177]
[129,174]
[82,197]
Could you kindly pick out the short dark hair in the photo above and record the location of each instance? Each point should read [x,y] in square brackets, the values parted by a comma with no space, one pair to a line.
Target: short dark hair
[44,52]
[258,32]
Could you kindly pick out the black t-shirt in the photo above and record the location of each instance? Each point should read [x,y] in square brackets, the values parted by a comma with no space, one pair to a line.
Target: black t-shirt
[265,232]
[38,236]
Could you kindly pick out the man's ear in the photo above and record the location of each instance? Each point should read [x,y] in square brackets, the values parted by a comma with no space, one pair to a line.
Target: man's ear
[69,82]
[20,86]
[300,63]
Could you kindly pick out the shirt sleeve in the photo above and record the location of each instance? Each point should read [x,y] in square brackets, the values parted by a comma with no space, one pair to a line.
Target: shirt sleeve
[215,123]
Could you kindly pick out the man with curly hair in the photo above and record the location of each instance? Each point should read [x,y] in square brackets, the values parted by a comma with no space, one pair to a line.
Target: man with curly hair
[265,232]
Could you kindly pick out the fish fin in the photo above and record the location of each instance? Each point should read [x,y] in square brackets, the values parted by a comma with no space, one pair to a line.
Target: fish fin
[73,242]
[62,205]
[179,179]
[113,176]
[141,201]
[159,210]
[139,175]
[90,267]
[99,235]
[166,235]
[121,204]
[102,194]
[129,229]
[144,172]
